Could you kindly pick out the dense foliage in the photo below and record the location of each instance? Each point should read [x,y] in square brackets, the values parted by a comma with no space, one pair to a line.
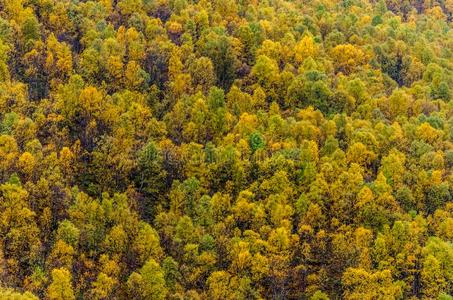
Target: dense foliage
[226,149]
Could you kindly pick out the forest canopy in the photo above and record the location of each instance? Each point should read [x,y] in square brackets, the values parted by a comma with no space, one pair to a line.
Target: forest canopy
[226,149]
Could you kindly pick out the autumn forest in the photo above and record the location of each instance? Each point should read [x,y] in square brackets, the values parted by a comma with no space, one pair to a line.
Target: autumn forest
[226,149]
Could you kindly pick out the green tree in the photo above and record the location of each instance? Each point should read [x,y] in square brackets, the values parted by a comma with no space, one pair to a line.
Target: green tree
[148,283]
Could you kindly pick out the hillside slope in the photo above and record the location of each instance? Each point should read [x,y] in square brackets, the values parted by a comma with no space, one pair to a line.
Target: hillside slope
[226,149]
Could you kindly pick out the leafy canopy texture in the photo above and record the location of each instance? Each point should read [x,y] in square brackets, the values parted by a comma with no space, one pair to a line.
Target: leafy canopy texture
[226,149]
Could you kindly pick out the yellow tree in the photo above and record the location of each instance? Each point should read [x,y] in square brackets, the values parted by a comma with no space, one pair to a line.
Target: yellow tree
[347,58]
[9,294]
[61,286]
[305,48]
[362,285]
